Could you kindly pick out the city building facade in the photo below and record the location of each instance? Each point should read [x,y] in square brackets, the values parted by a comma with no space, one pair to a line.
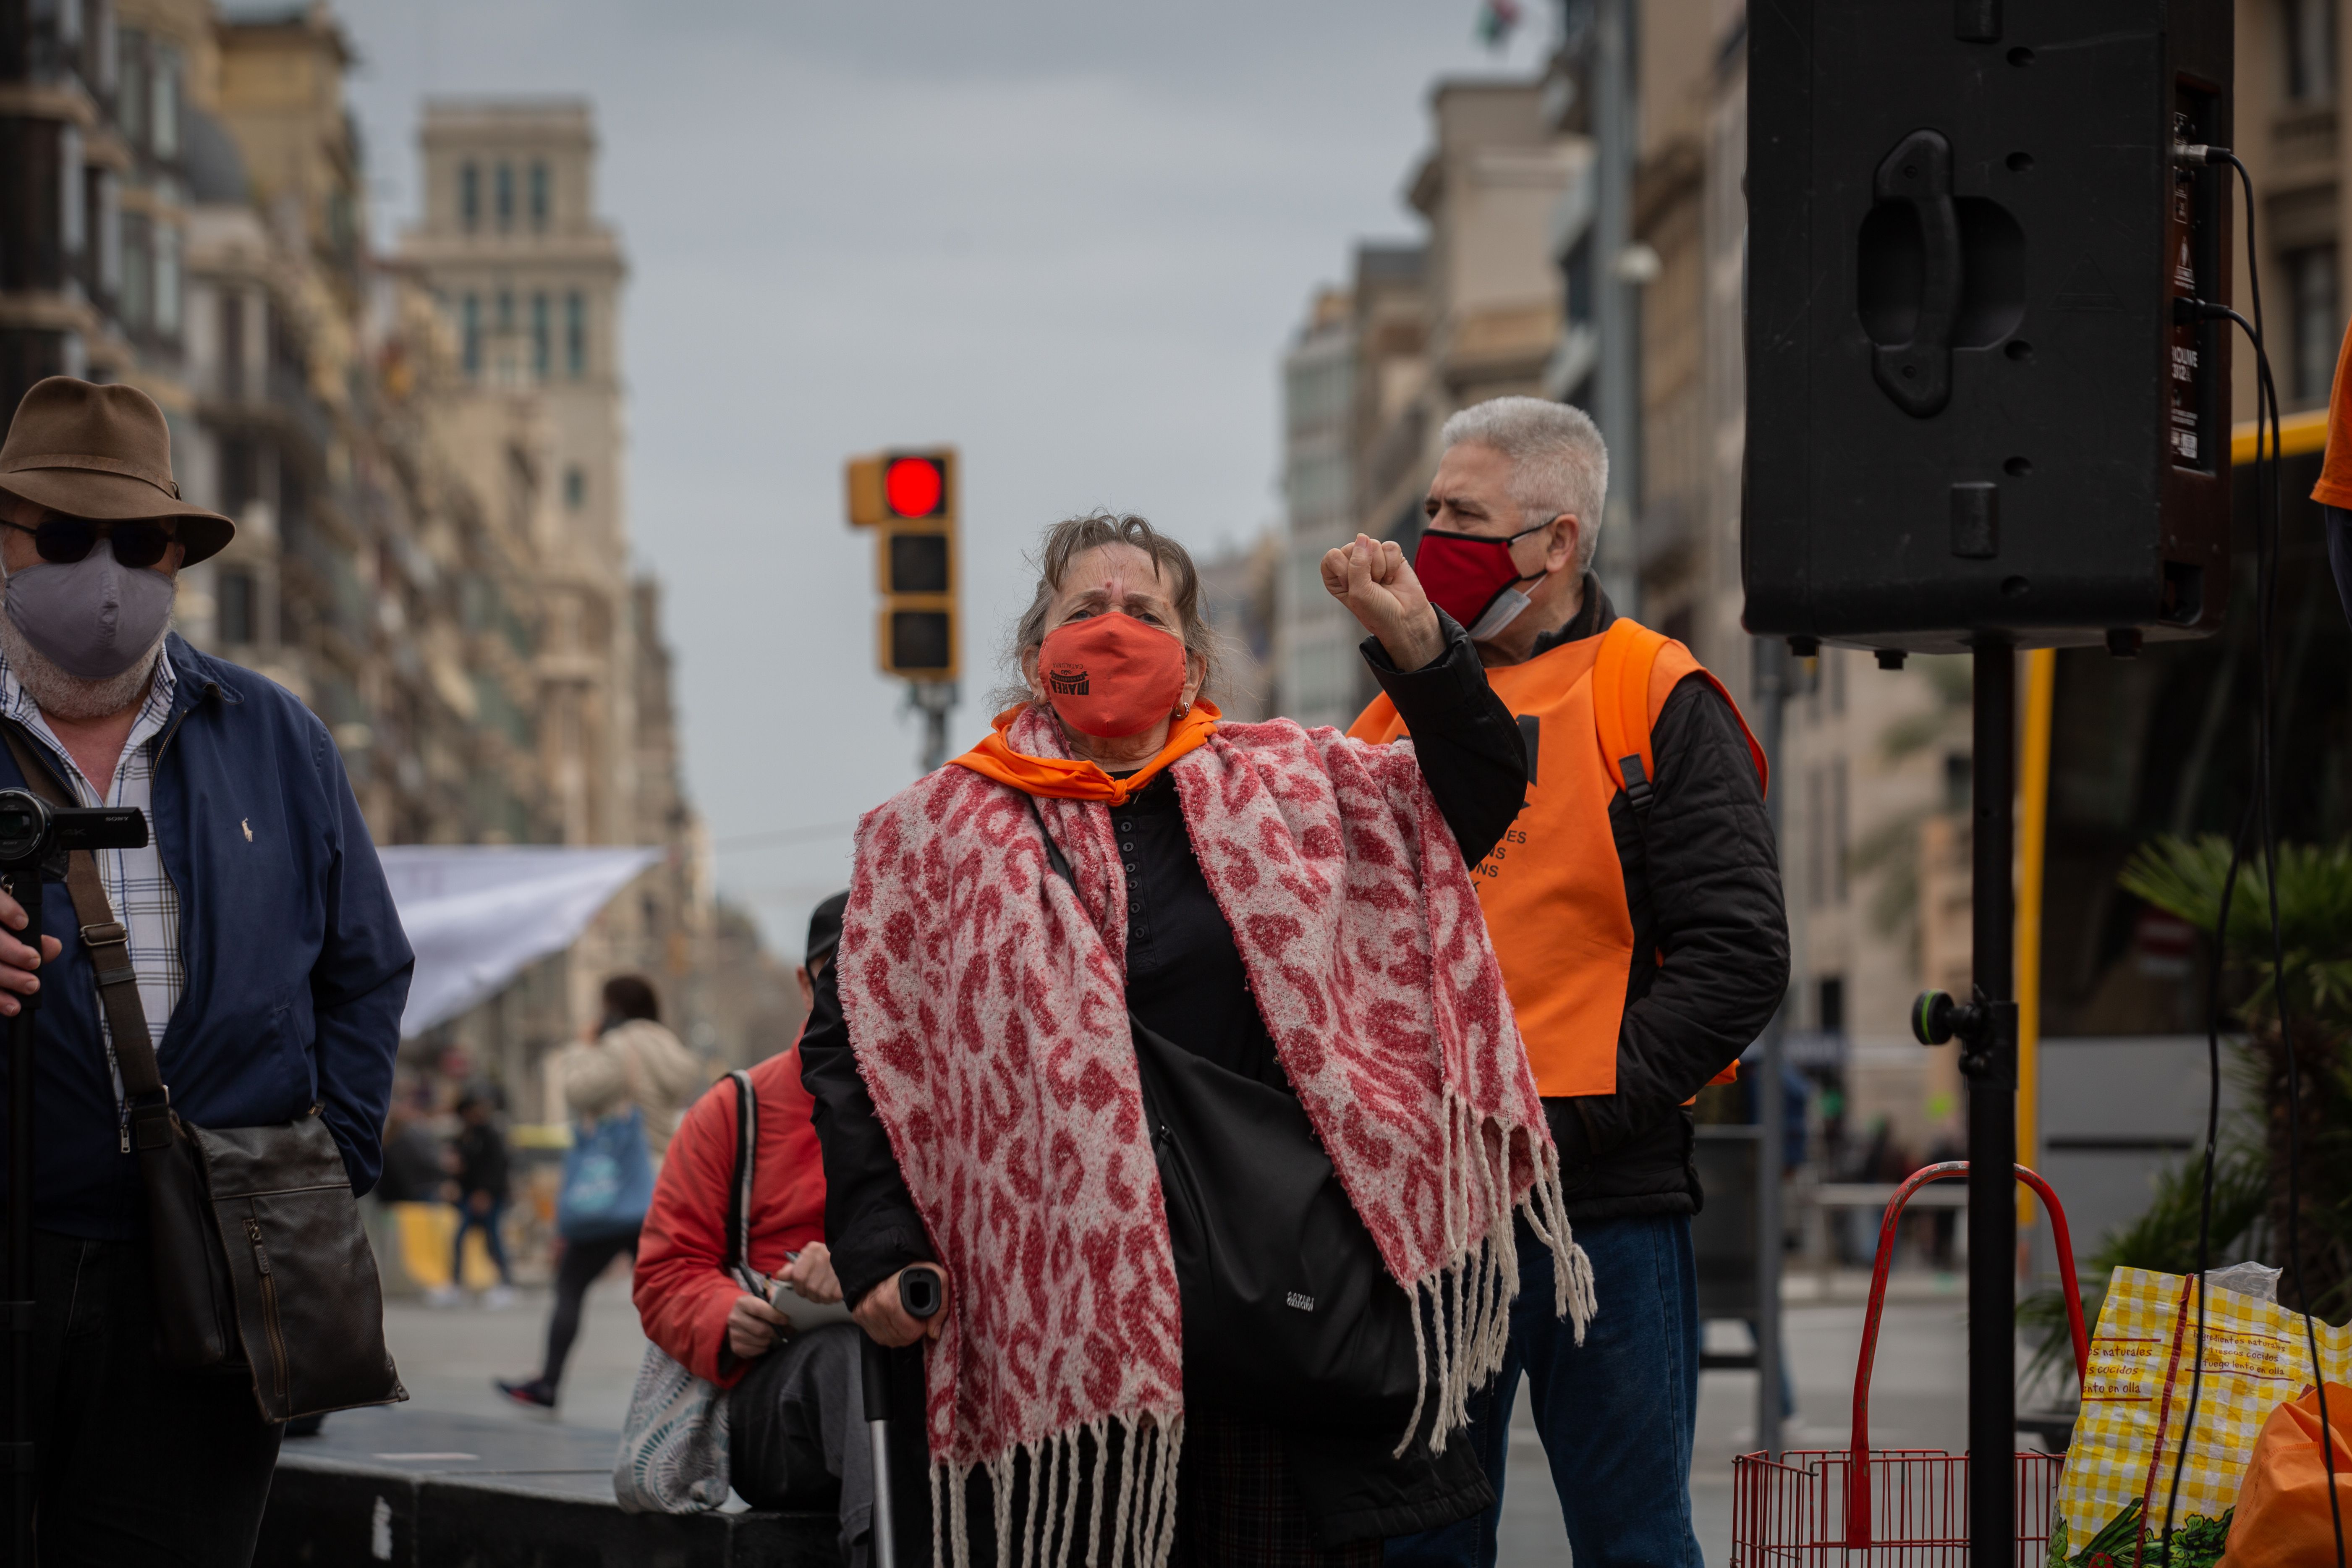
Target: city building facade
[431,551]
[1471,310]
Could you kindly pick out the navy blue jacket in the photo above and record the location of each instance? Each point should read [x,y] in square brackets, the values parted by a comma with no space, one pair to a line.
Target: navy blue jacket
[297,967]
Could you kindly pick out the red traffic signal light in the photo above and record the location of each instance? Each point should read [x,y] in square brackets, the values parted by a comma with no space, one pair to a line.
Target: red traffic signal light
[915,486]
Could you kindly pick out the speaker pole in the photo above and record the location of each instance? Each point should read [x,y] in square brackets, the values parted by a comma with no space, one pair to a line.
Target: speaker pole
[1990,1062]
[1771,657]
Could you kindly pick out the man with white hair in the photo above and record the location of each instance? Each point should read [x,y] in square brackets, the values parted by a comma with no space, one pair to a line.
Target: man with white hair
[1635,906]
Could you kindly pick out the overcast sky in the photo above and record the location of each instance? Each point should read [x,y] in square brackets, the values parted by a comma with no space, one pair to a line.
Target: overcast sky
[1072,238]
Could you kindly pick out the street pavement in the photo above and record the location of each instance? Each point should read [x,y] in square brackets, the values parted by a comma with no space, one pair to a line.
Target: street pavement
[447,1358]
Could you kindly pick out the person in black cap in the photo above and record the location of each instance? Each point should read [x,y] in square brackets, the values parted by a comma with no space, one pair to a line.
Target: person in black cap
[824,935]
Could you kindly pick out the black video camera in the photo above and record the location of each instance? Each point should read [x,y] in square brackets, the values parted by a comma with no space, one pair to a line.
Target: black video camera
[35,832]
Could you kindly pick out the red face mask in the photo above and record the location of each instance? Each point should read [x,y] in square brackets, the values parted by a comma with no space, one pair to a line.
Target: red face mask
[1111,675]
[1473,578]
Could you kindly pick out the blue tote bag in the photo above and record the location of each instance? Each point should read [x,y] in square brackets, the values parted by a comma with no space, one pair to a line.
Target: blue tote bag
[608,1179]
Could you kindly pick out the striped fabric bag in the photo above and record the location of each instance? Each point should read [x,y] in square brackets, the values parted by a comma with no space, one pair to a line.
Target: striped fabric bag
[673,1455]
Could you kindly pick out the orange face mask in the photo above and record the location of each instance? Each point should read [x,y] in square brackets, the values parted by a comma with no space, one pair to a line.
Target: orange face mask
[1111,675]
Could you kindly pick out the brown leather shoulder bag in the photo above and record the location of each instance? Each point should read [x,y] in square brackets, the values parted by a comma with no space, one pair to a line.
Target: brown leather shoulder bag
[255,1241]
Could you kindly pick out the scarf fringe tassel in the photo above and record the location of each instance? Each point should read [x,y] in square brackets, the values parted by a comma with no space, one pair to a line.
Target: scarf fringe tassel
[1460,1337]
[1034,1489]
[1459,1340]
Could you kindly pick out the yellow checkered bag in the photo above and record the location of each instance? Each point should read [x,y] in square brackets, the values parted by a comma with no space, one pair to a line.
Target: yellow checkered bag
[2118,1475]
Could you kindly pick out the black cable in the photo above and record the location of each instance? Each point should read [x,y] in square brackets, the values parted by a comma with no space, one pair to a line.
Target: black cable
[2213,1140]
[2268,527]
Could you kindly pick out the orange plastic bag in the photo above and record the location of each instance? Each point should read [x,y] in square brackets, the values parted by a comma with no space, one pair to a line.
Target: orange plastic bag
[2283,1519]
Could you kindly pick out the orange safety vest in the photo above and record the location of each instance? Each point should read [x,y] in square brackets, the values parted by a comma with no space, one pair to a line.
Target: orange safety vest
[1553,889]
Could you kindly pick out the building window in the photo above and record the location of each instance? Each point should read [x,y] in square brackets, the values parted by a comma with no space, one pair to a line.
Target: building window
[575,487]
[1830,1004]
[164,94]
[1841,831]
[2310,33]
[506,310]
[232,344]
[73,216]
[131,84]
[505,196]
[233,606]
[470,330]
[539,194]
[469,197]
[99,43]
[167,280]
[2318,328]
[240,475]
[106,225]
[575,334]
[543,333]
[1579,269]
[136,303]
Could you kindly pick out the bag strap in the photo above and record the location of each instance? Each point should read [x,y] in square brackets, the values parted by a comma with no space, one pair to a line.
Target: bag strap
[739,1200]
[1621,706]
[107,938]
[1621,710]
[1053,850]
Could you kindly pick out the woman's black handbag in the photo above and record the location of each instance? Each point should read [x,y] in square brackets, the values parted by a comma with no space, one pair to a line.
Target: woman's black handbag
[259,1255]
[1290,1315]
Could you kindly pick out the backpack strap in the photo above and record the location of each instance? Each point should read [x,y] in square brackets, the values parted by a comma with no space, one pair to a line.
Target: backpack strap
[739,1199]
[1621,706]
[1621,709]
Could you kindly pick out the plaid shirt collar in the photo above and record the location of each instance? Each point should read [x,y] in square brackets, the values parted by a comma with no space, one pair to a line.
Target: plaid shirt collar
[17,704]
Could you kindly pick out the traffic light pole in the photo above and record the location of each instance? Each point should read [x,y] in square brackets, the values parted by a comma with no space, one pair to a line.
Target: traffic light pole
[934,700]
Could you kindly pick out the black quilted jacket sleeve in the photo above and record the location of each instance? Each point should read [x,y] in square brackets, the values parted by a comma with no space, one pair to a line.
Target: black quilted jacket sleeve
[1711,961]
[870,1222]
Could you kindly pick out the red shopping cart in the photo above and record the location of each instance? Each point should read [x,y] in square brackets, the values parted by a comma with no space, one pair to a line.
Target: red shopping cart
[1896,1507]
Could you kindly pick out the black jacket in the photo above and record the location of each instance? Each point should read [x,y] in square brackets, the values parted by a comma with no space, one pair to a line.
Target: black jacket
[1471,754]
[1703,884]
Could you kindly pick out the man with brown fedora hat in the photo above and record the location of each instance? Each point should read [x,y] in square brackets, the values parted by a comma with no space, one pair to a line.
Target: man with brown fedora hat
[268,961]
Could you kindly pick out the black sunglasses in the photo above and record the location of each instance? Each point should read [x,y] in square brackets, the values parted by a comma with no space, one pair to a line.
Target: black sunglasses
[138,542]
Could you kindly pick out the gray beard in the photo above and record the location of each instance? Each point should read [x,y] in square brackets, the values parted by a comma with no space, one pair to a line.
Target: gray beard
[70,696]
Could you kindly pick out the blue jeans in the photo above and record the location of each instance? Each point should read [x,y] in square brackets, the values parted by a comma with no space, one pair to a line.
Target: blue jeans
[1616,1413]
[494,1243]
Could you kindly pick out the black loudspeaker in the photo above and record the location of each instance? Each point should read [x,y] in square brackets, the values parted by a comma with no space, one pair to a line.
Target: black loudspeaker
[1972,405]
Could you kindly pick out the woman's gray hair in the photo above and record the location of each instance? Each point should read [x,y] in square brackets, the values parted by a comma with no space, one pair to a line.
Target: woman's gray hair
[1558,461]
[1073,537]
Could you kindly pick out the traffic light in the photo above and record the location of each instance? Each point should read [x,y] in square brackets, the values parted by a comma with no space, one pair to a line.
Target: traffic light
[910,500]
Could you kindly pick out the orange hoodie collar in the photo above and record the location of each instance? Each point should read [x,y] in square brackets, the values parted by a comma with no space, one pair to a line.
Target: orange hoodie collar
[1062,778]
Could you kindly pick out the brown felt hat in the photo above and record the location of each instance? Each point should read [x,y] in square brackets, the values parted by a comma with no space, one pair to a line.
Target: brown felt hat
[103,453]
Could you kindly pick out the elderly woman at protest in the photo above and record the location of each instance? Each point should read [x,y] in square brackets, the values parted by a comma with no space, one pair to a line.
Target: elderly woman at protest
[1116,880]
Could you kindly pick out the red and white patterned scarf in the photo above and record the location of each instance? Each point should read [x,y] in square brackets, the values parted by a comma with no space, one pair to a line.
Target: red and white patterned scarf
[988,1015]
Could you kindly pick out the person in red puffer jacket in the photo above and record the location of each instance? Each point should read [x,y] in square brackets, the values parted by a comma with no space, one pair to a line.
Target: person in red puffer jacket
[796,1420]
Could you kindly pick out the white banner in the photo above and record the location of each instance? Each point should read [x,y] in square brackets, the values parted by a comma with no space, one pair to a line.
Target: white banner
[477,915]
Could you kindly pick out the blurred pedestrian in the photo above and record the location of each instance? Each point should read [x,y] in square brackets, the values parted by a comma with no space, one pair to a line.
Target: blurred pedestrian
[251,943]
[797,1421]
[2334,490]
[1636,910]
[415,1160]
[481,1197]
[626,1088]
[823,936]
[1274,916]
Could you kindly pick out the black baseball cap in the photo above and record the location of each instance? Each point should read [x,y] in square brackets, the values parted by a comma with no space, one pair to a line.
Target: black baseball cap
[824,928]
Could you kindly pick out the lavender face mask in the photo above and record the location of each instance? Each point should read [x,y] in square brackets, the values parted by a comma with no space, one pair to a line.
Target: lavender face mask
[95,618]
